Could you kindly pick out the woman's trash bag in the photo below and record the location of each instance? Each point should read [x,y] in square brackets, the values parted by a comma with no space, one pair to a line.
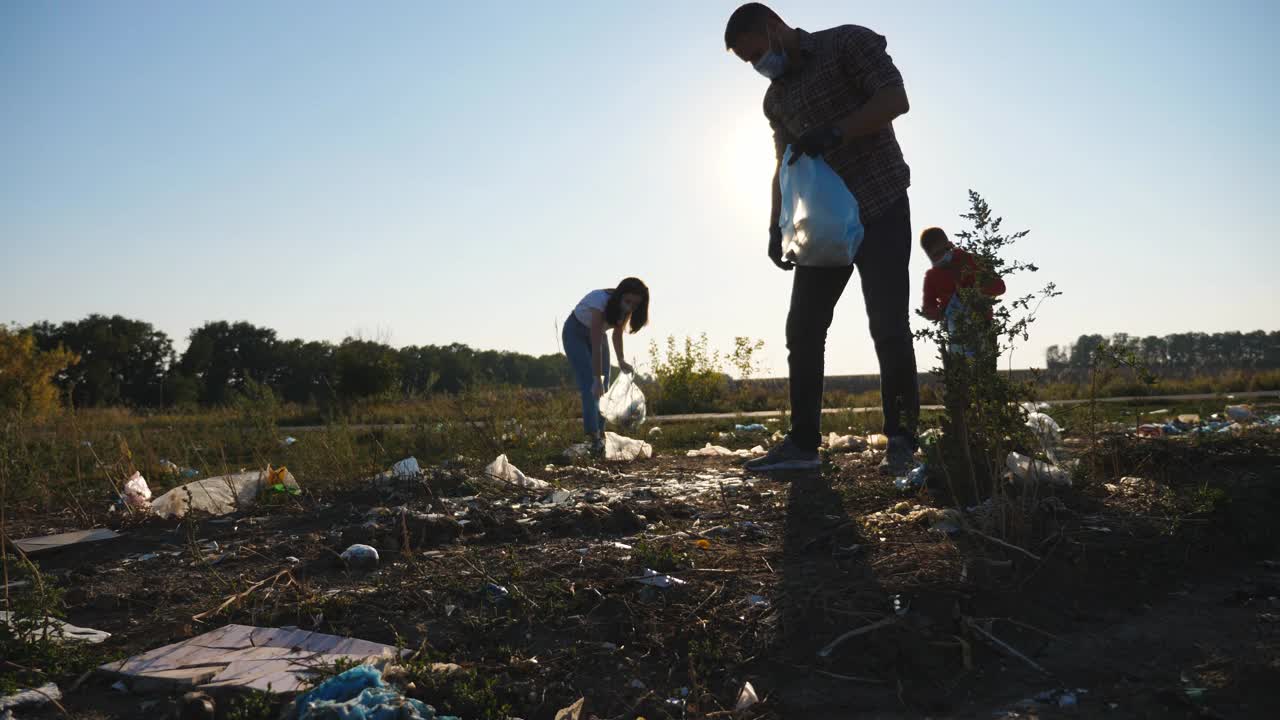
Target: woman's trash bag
[623,404]
[819,219]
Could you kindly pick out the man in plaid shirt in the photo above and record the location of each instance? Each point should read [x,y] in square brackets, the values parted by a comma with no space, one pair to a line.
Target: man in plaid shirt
[834,94]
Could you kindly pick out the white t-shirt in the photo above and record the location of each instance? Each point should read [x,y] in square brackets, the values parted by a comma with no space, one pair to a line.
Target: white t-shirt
[595,300]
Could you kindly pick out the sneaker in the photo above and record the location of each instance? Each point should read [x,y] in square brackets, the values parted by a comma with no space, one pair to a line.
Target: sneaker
[898,458]
[785,456]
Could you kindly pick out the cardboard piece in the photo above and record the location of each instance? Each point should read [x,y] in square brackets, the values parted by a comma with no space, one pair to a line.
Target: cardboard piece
[274,660]
[66,631]
[49,542]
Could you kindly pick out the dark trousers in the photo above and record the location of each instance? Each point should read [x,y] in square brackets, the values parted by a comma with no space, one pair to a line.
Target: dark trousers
[882,263]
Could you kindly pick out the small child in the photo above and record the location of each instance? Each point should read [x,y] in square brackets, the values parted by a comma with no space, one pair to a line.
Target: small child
[953,269]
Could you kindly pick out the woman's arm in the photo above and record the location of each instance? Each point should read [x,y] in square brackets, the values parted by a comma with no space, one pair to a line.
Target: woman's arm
[597,339]
[618,332]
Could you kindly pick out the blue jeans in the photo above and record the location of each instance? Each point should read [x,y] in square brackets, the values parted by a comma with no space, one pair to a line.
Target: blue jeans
[577,345]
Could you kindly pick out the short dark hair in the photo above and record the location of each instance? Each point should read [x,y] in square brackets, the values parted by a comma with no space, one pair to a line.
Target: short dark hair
[932,237]
[752,17]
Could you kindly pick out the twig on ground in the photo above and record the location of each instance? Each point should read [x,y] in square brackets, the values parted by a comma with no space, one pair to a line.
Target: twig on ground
[831,646]
[1003,544]
[237,597]
[850,678]
[1002,645]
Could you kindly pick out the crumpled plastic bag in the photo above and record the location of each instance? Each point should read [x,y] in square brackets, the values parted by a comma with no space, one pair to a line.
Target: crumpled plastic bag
[502,469]
[361,694]
[1029,470]
[819,216]
[1047,431]
[136,493]
[624,403]
[846,443]
[618,448]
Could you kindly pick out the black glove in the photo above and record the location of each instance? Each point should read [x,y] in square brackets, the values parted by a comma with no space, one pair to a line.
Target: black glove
[816,142]
[775,249]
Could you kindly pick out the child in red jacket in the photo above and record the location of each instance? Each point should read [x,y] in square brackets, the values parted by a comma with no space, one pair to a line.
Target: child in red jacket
[953,269]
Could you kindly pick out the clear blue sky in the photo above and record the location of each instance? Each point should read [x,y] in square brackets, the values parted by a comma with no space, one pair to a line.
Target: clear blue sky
[431,172]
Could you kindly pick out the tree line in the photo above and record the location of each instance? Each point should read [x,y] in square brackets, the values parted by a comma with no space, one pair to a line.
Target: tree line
[1177,353]
[129,362]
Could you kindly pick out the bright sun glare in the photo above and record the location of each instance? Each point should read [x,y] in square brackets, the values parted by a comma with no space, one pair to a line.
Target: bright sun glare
[747,161]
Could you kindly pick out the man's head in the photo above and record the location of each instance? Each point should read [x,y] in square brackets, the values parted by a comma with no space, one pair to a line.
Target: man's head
[753,31]
[935,243]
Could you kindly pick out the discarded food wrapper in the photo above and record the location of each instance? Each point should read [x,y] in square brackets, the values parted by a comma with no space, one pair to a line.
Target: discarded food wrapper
[406,469]
[845,443]
[221,495]
[878,441]
[618,448]
[1030,470]
[361,557]
[1189,419]
[136,493]
[623,404]
[657,579]
[502,469]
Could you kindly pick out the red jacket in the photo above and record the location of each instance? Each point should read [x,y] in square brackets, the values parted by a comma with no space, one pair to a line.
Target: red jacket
[941,282]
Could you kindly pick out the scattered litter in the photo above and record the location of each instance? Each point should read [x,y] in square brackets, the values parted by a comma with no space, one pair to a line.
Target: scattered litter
[496,593]
[1189,419]
[757,601]
[49,542]
[657,579]
[753,427]
[502,469]
[360,557]
[222,495]
[27,699]
[277,660]
[655,431]
[288,440]
[720,451]
[61,631]
[845,443]
[558,497]
[618,448]
[1240,413]
[623,404]
[1029,470]
[1033,407]
[406,469]
[292,560]
[168,467]
[746,697]
[878,441]
[777,436]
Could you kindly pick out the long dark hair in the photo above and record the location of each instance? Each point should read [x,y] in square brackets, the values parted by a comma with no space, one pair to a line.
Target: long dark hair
[639,314]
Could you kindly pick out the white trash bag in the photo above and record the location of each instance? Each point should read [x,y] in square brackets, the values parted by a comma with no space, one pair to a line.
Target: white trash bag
[618,448]
[819,218]
[623,404]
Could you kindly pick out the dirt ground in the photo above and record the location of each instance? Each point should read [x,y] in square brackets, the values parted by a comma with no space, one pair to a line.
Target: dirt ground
[1151,598]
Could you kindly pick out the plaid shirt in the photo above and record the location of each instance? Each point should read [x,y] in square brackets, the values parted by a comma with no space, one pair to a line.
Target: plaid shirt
[836,73]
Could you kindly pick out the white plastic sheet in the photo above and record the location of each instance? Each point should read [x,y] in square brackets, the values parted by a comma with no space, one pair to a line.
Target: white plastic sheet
[720,451]
[624,403]
[819,216]
[221,495]
[1029,470]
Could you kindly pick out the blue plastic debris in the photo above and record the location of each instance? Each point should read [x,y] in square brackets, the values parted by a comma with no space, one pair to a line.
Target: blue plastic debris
[913,480]
[753,427]
[361,694]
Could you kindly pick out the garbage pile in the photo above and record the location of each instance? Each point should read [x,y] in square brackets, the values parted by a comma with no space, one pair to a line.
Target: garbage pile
[361,694]
[1233,419]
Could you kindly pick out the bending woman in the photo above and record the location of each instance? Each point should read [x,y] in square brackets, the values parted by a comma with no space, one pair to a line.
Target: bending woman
[623,306]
